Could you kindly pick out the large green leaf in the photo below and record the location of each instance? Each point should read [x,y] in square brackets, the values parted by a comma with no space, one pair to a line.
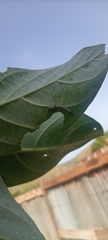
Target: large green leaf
[26,95]
[44,148]
[14,221]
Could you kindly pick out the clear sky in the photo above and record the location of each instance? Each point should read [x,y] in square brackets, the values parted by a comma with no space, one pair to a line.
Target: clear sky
[44,33]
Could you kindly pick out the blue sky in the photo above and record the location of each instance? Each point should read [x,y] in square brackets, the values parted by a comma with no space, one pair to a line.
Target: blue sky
[44,33]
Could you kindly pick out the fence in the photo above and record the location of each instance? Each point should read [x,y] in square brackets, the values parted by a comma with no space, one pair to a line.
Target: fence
[75,204]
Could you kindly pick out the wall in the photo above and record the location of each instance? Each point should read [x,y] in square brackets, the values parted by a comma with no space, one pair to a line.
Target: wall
[77,199]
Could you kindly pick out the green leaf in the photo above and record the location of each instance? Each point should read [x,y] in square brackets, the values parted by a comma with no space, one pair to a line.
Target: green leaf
[44,148]
[14,222]
[26,95]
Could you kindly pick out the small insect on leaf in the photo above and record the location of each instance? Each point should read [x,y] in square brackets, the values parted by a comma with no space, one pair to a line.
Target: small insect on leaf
[60,108]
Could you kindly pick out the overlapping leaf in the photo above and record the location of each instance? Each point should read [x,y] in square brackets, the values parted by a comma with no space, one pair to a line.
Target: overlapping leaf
[44,148]
[31,140]
[26,95]
[14,221]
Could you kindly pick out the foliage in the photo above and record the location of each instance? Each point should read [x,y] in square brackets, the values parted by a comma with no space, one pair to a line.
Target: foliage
[99,142]
[14,222]
[41,119]
[23,188]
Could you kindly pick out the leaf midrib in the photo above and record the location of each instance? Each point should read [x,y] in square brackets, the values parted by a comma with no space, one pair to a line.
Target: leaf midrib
[28,93]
